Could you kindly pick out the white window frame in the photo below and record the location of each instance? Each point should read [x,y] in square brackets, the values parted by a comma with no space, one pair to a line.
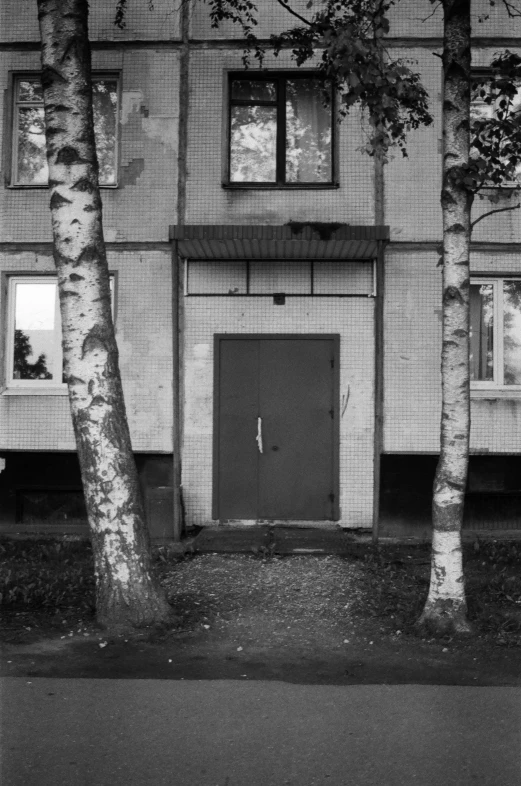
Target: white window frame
[33,76]
[497,382]
[37,386]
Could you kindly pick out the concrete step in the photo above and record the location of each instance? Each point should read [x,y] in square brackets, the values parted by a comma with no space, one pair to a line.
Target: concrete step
[275,540]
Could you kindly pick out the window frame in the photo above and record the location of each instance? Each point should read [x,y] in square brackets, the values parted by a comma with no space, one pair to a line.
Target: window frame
[12,126]
[497,383]
[25,387]
[279,76]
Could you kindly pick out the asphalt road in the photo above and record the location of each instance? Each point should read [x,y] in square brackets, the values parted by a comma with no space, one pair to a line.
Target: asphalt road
[86,732]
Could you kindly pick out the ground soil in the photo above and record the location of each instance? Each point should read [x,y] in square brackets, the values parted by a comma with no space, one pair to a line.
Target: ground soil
[306,619]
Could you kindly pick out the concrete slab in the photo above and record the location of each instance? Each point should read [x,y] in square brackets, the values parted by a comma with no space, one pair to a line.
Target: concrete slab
[232,539]
[278,540]
[289,540]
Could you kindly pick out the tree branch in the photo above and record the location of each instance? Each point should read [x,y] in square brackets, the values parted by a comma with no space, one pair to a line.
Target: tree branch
[512,11]
[294,13]
[438,4]
[491,213]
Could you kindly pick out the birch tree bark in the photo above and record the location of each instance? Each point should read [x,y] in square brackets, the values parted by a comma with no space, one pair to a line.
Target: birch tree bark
[446,608]
[126,593]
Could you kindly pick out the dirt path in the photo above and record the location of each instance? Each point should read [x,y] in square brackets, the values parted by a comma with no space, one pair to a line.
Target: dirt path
[299,619]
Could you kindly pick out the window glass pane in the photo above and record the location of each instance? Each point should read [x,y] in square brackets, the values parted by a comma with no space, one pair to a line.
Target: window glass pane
[104,104]
[293,278]
[30,90]
[34,330]
[253,144]
[342,278]
[481,110]
[223,278]
[481,331]
[249,90]
[32,158]
[512,332]
[308,132]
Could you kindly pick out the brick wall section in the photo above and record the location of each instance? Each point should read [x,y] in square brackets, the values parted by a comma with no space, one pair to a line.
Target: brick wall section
[144,336]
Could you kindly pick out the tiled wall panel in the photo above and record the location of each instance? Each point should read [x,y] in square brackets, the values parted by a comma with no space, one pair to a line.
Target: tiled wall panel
[209,203]
[412,359]
[144,336]
[352,318]
[144,204]
[143,21]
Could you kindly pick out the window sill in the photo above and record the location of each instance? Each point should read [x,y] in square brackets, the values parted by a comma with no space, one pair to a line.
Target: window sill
[57,391]
[495,393]
[280,186]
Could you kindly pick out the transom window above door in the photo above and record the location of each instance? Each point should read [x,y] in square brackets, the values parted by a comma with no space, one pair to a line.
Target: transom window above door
[293,278]
[280,130]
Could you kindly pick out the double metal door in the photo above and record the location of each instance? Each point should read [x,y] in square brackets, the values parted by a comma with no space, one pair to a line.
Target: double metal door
[275,448]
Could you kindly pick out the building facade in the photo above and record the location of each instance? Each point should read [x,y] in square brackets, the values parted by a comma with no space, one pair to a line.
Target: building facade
[276,292]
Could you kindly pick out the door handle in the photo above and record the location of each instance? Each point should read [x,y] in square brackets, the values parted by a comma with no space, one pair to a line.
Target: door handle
[259,434]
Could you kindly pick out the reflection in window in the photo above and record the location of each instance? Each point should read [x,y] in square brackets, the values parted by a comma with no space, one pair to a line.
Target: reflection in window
[34,356]
[482,110]
[512,332]
[280,130]
[495,332]
[481,331]
[30,160]
[308,132]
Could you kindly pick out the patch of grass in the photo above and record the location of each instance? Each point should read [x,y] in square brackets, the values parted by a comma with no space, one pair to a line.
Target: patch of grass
[46,575]
[397,581]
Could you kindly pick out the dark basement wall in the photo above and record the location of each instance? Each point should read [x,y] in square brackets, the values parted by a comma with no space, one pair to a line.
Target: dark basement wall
[41,492]
[493,500]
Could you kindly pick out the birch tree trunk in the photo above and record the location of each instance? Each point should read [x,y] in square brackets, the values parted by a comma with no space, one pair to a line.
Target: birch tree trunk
[126,593]
[446,608]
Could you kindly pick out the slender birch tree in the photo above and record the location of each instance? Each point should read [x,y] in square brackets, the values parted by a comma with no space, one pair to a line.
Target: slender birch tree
[446,606]
[126,593]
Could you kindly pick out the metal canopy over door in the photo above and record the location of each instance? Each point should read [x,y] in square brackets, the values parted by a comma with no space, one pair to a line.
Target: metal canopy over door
[276,427]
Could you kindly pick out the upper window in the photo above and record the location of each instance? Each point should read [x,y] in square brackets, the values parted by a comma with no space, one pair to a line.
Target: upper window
[483,108]
[280,130]
[34,336]
[495,332]
[29,165]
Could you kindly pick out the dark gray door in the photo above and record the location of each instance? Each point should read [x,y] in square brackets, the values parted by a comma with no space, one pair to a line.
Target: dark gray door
[276,426]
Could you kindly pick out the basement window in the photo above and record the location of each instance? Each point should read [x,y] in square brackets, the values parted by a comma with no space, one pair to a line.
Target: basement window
[34,336]
[280,131]
[29,159]
[495,334]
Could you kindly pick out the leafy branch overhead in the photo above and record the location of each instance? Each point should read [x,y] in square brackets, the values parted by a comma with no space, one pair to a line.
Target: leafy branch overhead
[350,37]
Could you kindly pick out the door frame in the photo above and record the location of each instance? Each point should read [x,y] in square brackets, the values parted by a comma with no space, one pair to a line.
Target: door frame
[335,339]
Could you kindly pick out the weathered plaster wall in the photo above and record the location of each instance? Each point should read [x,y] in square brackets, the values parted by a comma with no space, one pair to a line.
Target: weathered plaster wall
[144,203]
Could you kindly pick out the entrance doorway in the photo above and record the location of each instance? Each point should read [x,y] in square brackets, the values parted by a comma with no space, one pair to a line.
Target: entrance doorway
[276,427]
